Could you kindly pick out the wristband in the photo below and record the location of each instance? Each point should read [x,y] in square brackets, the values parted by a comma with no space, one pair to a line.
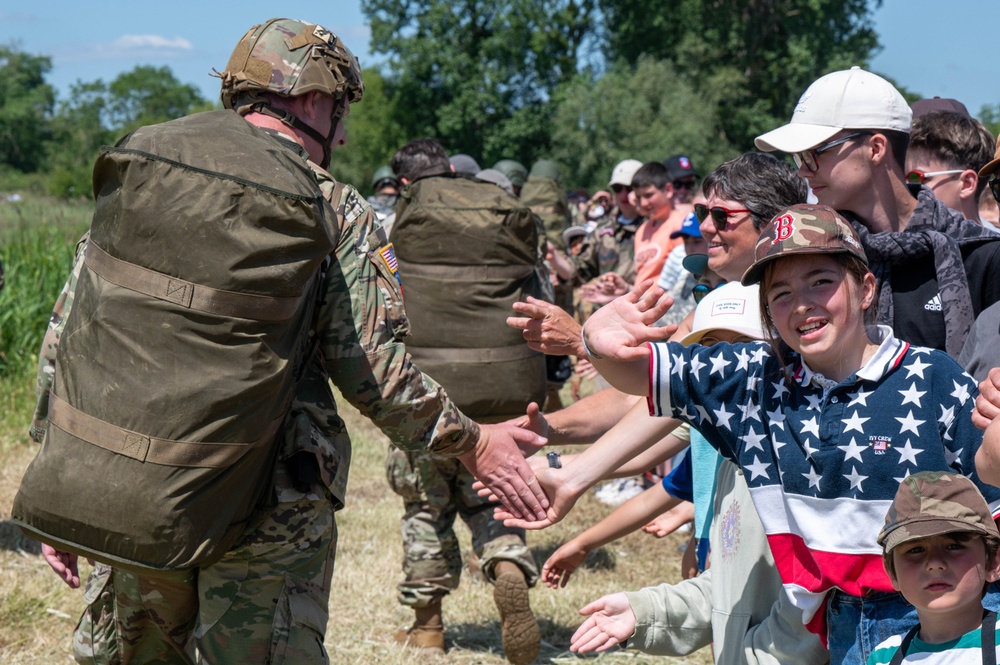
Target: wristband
[586,349]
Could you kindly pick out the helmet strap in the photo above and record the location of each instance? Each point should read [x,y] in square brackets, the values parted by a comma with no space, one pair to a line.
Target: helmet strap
[294,122]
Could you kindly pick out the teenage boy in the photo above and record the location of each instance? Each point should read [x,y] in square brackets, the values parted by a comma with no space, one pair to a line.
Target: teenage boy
[936,270]
[940,550]
[654,196]
[946,152]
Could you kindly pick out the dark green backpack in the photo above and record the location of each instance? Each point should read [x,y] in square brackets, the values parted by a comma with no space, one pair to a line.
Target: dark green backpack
[180,356]
[467,250]
[548,200]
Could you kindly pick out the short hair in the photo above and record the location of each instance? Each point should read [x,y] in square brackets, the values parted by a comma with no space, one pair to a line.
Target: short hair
[651,173]
[763,183]
[957,140]
[420,158]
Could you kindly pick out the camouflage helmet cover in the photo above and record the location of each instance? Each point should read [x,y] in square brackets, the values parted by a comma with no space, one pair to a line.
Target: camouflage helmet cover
[515,171]
[290,58]
[382,175]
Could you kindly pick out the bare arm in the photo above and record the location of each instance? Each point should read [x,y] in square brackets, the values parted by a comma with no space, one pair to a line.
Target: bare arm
[625,519]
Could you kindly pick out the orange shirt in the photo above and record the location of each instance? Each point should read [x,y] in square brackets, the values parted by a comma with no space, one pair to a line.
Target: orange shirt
[652,246]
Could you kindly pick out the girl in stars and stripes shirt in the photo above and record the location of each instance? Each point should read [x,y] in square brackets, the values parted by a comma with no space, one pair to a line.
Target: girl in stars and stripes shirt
[824,422]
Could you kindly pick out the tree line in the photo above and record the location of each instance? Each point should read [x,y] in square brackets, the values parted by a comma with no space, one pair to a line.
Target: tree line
[585,82]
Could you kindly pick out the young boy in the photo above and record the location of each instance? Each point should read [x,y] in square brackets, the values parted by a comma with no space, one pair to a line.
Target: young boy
[940,550]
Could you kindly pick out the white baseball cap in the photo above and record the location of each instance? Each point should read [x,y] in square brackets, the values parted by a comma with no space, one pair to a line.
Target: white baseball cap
[731,306]
[848,99]
[623,172]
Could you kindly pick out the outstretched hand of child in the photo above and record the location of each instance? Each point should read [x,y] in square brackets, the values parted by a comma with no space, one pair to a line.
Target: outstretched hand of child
[610,621]
[560,565]
[621,329]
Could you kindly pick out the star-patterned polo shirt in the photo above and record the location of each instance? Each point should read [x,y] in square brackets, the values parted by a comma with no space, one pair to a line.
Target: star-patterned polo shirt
[823,460]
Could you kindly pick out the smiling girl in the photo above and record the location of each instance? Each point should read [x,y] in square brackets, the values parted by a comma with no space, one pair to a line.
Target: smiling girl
[824,421]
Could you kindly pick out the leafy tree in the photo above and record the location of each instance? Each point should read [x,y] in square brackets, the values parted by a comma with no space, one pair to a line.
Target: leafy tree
[990,116]
[25,103]
[647,112]
[372,135]
[479,74]
[751,59]
[98,113]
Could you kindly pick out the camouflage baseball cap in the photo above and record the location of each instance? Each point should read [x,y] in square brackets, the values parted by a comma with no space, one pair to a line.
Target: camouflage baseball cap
[803,229]
[931,503]
[290,58]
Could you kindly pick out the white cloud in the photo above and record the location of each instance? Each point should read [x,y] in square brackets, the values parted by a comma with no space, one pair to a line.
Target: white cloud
[150,43]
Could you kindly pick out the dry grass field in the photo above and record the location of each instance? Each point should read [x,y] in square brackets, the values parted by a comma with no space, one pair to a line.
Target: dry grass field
[38,612]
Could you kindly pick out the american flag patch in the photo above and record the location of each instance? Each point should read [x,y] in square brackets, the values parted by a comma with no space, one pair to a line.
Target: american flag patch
[389,258]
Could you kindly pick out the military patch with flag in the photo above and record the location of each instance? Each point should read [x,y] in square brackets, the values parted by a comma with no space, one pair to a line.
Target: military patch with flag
[389,257]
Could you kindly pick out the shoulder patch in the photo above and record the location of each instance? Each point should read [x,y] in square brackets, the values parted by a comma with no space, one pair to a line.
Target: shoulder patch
[389,258]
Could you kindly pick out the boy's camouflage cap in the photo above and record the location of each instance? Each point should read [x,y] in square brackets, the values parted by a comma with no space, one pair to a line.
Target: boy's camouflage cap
[290,58]
[803,229]
[931,503]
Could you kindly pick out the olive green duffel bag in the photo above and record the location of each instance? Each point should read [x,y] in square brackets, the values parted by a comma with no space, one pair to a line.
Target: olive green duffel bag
[181,352]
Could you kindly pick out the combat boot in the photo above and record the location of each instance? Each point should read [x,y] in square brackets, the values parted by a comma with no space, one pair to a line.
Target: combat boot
[518,628]
[427,631]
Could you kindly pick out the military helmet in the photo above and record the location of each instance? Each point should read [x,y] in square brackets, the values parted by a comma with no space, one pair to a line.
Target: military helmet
[515,171]
[384,174]
[290,58]
[546,168]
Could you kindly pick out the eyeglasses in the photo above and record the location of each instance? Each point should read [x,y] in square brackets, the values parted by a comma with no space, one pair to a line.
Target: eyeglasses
[617,189]
[701,290]
[808,159]
[720,215]
[995,188]
[919,177]
[684,184]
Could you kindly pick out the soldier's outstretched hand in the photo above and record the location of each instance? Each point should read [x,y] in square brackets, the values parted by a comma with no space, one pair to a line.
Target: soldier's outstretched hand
[498,461]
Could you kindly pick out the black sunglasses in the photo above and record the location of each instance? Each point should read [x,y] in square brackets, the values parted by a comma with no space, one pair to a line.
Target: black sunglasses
[617,189]
[720,215]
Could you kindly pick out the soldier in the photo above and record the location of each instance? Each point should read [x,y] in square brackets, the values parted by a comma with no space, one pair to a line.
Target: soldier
[386,187]
[267,597]
[500,256]
[515,171]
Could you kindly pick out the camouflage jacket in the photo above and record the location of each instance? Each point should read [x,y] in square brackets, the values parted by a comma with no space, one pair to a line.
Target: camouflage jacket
[609,248]
[358,326]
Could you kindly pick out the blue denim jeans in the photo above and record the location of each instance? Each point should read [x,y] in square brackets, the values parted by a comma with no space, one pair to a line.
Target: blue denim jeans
[856,625]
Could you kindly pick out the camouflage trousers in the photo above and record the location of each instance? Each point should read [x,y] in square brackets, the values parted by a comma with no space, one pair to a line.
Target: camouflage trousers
[265,601]
[434,491]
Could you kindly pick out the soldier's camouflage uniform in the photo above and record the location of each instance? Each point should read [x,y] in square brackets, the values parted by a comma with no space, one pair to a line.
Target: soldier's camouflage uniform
[609,248]
[266,601]
[434,491]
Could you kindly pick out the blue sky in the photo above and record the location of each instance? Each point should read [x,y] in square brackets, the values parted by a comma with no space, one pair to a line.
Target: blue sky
[928,49]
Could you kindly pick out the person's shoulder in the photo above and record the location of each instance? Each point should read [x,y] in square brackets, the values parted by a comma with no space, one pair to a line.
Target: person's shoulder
[884,652]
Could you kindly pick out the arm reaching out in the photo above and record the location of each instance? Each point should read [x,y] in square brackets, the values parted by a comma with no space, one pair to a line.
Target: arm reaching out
[498,462]
[547,328]
[610,621]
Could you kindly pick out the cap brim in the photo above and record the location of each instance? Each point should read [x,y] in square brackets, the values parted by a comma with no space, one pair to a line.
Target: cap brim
[990,168]
[696,264]
[755,272]
[795,137]
[925,528]
[695,337]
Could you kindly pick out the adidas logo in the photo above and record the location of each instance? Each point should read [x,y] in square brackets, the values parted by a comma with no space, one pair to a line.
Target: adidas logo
[934,304]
